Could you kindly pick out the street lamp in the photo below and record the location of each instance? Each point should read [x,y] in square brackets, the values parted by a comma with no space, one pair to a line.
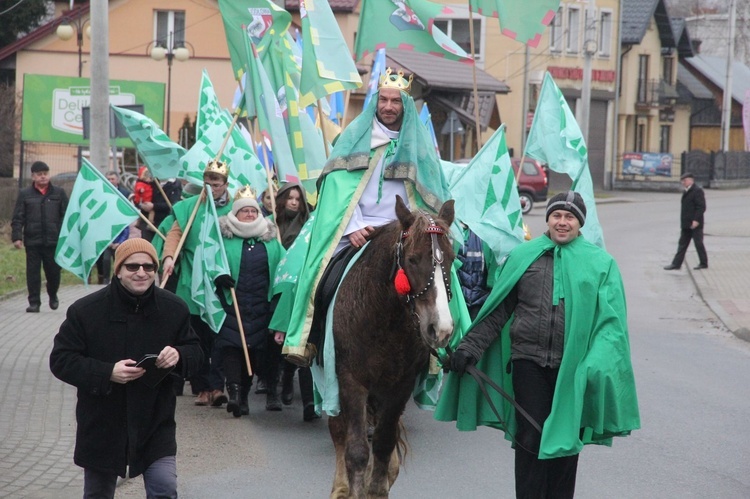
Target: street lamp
[173,50]
[68,28]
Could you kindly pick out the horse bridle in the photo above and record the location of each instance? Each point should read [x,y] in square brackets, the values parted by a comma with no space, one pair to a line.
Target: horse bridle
[437,259]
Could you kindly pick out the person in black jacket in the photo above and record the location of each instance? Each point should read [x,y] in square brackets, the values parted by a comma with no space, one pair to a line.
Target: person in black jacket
[159,206]
[693,206]
[123,420]
[37,219]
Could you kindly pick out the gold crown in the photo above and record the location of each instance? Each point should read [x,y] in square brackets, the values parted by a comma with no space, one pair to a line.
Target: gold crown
[397,81]
[218,167]
[245,192]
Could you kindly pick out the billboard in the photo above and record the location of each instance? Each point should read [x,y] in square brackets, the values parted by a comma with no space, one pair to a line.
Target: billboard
[647,164]
[53,106]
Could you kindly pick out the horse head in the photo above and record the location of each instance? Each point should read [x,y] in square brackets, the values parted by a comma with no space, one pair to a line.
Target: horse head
[426,256]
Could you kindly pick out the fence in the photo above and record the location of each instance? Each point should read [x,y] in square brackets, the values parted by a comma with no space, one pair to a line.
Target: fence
[718,169]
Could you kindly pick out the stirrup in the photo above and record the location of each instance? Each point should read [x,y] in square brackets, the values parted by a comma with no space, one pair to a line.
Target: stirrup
[304,360]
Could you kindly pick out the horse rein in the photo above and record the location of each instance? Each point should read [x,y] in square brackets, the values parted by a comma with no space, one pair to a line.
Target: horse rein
[437,259]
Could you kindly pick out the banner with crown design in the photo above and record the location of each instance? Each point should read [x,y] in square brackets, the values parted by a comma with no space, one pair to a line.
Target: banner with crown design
[405,25]
[523,21]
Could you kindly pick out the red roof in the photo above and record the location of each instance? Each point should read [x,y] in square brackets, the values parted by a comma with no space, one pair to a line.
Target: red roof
[43,31]
[336,5]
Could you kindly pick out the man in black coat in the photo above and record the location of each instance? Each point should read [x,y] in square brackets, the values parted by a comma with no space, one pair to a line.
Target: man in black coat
[37,219]
[691,224]
[124,420]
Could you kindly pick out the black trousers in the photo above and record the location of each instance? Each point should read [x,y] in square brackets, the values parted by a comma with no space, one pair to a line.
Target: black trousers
[200,380]
[697,237]
[36,258]
[104,264]
[534,387]
[235,369]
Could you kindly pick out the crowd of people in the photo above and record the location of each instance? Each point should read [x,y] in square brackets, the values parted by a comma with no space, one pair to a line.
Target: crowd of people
[268,337]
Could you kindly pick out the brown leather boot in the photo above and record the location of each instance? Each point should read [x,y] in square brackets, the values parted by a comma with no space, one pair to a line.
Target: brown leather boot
[204,398]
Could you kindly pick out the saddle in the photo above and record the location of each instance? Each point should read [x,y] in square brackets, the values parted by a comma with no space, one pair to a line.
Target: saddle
[324,293]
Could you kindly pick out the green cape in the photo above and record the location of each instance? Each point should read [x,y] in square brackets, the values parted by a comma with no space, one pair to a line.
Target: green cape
[343,180]
[595,397]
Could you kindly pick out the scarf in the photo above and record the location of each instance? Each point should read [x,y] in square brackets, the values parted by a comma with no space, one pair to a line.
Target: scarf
[231,227]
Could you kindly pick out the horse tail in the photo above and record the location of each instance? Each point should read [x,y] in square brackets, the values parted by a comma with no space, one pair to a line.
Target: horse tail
[402,442]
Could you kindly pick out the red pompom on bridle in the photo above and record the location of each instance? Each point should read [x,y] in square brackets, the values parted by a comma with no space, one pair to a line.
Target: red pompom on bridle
[401,281]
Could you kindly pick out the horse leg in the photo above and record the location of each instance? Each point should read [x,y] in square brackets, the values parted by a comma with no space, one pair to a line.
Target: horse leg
[386,460]
[337,429]
[353,401]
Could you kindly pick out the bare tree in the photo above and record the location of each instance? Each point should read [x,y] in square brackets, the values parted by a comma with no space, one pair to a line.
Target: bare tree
[9,127]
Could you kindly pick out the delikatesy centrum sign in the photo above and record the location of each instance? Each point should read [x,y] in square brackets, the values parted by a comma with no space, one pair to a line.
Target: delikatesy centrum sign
[53,106]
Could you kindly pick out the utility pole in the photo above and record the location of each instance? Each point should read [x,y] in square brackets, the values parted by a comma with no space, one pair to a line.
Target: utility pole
[589,49]
[99,141]
[525,103]
[726,106]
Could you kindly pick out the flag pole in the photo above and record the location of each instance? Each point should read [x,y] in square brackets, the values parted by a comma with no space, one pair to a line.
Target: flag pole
[242,332]
[256,138]
[474,75]
[346,108]
[150,224]
[323,126]
[185,233]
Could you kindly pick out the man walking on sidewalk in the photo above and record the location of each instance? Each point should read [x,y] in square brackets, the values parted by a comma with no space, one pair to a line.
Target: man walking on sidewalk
[37,219]
[691,223]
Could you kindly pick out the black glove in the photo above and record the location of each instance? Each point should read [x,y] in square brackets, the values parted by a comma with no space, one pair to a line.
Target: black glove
[460,360]
[224,281]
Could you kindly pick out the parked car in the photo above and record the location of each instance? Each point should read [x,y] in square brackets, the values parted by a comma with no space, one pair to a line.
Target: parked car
[532,184]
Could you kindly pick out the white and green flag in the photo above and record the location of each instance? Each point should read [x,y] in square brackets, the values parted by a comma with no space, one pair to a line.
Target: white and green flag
[96,214]
[161,155]
[486,197]
[212,127]
[556,139]
[209,262]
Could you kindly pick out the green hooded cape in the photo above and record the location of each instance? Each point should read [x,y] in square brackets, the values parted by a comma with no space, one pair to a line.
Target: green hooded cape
[411,158]
[182,211]
[595,396]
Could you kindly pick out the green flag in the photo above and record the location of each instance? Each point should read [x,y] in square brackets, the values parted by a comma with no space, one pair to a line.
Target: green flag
[96,214]
[486,197]
[210,260]
[270,119]
[254,20]
[405,25]
[212,127]
[161,155]
[523,21]
[556,139]
[327,66]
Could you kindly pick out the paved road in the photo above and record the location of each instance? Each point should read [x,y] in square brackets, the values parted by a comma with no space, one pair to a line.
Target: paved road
[37,424]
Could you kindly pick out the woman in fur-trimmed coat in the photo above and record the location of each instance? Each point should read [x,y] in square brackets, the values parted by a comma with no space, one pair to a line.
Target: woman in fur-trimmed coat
[253,252]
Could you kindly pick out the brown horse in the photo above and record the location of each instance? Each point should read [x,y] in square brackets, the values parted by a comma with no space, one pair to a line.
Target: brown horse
[383,341]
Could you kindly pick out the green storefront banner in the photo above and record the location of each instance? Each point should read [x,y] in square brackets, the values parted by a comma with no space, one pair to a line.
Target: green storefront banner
[53,106]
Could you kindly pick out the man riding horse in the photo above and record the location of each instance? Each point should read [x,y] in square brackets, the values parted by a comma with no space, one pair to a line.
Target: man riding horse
[384,152]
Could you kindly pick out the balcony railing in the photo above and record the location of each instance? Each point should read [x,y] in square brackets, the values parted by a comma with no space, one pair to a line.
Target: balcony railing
[655,94]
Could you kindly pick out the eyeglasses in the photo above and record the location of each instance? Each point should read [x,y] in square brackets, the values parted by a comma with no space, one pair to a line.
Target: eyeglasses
[133,267]
[215,185]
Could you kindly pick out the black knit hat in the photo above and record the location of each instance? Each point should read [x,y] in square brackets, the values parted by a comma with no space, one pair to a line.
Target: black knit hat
[39,166]
[569,201]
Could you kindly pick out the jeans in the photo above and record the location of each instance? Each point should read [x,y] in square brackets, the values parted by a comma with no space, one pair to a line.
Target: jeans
[159,479]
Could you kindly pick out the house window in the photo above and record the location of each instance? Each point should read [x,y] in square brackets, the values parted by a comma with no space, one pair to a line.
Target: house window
[667,70]
[640,137]
[572,41]
[605,34]
[664,138]
[556,32]
[458,31]
[166,22]
[643,78]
